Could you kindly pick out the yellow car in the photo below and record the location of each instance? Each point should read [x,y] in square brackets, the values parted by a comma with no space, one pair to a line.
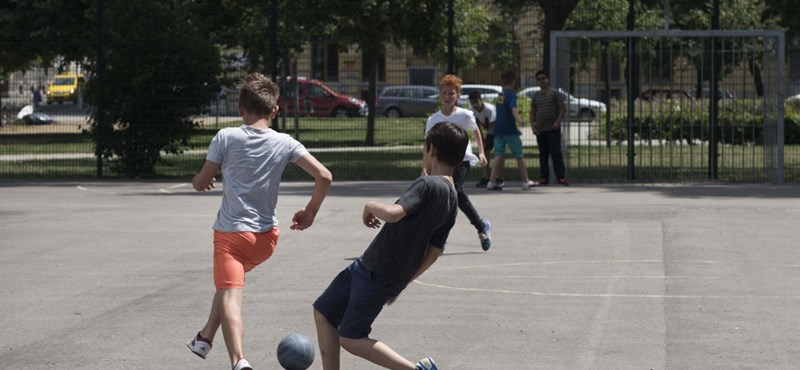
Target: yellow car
[65,87]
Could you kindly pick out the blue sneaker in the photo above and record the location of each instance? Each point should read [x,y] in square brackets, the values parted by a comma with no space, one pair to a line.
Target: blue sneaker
[426,364]
[486,238]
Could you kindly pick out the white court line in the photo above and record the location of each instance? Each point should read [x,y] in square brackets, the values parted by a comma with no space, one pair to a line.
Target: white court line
[170,189]
[590,262]
[601,277]
[592,295]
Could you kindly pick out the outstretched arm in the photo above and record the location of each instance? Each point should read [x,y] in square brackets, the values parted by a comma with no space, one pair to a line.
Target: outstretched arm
[304,218]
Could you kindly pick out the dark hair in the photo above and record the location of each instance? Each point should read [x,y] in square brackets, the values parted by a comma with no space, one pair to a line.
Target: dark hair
[450,142]
[475,95]
[258,94]
[508,77]
[541,72]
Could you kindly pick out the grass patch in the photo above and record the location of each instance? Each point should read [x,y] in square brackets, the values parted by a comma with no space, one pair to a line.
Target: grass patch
[396,156]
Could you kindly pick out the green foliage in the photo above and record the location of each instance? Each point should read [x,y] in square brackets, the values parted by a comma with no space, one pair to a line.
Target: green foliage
[160,71]
[739,124]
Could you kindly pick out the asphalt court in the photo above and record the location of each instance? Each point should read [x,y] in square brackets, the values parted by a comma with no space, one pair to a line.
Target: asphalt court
[114,274]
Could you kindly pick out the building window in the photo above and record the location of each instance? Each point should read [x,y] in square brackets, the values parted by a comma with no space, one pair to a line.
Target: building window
[365,62]
[324,62]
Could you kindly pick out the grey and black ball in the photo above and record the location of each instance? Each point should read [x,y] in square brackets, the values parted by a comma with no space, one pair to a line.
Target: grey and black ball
[295,352]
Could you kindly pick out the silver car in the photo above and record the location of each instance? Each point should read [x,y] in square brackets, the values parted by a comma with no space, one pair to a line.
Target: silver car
[578,107]
[407,101]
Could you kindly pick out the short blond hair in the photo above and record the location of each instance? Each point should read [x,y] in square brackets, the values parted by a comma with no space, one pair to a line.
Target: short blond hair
[258,94]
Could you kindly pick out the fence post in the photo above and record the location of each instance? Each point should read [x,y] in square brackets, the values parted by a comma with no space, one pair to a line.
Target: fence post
[99,115]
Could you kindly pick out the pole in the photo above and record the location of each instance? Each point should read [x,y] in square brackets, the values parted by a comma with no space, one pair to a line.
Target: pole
[713,149]
[100,116]
[450,38]
[632,90]
[273,50]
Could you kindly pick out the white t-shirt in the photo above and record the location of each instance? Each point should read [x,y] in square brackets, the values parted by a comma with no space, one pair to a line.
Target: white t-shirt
[252,164]
[462,118]
[489,112]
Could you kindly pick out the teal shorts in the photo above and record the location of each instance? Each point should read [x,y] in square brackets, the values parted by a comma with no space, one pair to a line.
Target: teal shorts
[514,143]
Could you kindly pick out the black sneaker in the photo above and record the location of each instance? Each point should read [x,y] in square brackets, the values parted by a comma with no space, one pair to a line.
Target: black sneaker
[544,181]
[482,184]
[563,182]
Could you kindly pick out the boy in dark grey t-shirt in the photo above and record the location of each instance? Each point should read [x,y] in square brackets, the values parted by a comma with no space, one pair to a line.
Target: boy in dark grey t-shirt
[416,229]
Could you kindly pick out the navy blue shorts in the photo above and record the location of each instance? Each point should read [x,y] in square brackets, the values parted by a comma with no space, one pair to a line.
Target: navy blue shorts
[354,299]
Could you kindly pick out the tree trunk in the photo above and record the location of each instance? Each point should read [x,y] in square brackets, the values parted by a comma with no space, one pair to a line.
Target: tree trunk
[555,16]
[758,81]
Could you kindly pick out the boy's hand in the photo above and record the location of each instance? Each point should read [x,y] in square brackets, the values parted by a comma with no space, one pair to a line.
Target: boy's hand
[211,185]
[482,159]
[303,219]
[370,220]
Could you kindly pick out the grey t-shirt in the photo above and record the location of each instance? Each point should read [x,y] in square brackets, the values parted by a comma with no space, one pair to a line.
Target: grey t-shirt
[252,164]
[397,251]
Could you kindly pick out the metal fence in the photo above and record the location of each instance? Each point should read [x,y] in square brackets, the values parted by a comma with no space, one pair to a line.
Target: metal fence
[670,141]
[662,121]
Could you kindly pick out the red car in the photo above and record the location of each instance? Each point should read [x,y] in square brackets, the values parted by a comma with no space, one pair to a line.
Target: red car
[319,100]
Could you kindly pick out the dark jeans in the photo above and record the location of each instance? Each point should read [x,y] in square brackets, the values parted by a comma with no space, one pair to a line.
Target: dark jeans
[550,147]
[459,175]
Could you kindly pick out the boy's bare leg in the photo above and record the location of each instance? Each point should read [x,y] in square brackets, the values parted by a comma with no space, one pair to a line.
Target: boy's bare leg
[376,352]
[523,171]
[497,168]
[210,330]
[228,303]
[328,339]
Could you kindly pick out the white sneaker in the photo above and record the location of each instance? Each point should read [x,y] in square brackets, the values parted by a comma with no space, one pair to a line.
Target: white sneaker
[242,365]
[529,184]
[426,364]
[493,186]
[199,346]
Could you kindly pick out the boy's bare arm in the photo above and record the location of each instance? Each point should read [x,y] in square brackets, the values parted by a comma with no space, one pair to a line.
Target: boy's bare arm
[374,212]
[517,117]
[431,255]
[205,179]
[479,143]
[323,178]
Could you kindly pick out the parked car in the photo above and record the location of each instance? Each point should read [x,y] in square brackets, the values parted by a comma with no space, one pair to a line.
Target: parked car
[705,93]
[672,94]
[407,101]
[317,99]
[489,93]
[65,87]
[577,107]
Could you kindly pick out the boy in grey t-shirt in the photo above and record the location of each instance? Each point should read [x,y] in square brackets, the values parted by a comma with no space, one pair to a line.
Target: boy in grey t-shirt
[252,158]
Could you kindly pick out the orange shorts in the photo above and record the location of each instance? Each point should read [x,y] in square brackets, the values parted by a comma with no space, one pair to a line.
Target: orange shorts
[239,252]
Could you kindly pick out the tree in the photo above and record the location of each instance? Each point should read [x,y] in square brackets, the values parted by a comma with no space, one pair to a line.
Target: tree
[556,13]
[28,28]
[159,70]
[371,24]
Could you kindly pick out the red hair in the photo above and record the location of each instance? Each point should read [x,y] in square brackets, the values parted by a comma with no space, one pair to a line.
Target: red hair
[450,80]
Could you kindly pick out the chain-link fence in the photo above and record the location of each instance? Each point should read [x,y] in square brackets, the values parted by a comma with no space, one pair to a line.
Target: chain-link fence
[44,114]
